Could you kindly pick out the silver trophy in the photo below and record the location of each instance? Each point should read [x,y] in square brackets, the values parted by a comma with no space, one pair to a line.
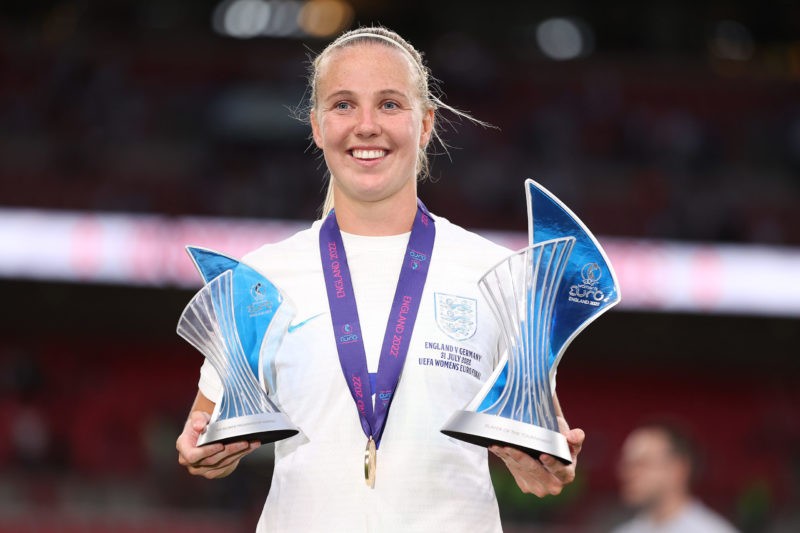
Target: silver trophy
[237,320]
[542,297]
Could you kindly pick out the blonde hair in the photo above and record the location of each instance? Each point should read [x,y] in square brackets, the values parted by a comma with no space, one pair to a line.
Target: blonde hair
[426,85]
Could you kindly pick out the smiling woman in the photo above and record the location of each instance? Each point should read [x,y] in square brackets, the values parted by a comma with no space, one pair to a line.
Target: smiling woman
[371,125]
[418,93]
[373,270]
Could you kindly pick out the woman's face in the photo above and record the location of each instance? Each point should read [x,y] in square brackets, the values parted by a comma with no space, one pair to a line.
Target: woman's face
[368,121]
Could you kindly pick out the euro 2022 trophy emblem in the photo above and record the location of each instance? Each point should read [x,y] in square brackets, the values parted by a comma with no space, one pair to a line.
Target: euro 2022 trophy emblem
[542,296]
[238,320]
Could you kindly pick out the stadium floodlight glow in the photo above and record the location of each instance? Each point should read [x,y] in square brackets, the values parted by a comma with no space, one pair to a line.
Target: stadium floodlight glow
[284,19]
[563,39]
[241,19]
[244,19]
[323,18]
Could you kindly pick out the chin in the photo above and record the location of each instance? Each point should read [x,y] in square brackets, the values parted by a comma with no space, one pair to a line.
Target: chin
[632,499]
[374,193]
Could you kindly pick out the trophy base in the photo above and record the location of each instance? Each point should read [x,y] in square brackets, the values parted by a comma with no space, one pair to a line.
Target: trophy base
[486,430]
[264,427]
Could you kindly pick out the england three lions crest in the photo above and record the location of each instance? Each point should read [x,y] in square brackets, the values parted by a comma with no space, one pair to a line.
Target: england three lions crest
[456,316]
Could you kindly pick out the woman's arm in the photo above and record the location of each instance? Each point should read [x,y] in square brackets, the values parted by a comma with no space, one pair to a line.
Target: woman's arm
[212,460]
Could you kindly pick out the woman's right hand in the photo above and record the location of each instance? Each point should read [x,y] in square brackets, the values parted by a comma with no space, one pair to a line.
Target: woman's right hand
[212,460]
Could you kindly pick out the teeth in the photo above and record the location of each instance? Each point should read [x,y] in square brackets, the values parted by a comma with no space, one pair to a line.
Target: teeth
[368,154]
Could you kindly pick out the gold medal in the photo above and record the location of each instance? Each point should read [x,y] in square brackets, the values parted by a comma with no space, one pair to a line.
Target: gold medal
[370,461]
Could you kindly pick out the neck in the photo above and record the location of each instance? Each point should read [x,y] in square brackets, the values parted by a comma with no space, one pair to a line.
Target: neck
[668,507]
[380,218]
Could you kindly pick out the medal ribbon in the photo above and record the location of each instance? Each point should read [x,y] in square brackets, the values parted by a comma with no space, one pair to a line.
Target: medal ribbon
[347,328]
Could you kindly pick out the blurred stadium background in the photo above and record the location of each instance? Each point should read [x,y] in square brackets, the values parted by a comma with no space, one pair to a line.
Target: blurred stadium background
[130,128]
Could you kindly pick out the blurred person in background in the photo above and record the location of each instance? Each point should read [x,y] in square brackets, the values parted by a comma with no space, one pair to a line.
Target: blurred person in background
[372,115]
[655,474]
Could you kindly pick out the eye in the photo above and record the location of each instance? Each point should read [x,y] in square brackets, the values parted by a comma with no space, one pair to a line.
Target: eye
[341,106]
[391,105]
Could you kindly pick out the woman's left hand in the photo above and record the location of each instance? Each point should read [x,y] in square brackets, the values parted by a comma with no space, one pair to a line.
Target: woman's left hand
[547,475]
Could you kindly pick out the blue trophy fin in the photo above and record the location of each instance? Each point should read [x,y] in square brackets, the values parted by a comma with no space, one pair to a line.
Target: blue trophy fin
[259,307]
[209,263]
[589,286]
[262,312]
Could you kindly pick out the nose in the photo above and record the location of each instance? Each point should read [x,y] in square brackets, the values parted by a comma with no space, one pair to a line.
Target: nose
[367,124]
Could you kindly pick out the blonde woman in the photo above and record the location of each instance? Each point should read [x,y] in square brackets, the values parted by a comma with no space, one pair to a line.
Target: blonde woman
[368,281]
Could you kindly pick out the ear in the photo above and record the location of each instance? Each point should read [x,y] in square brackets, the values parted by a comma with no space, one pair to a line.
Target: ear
[315,130]
[427,127]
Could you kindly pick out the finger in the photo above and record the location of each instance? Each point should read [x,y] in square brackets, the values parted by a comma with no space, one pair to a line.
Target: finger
[550,473]
[533,485]
[519,459]
[564,473]
[240,449]
[193,457]
[535,472]
[218,468]
[222,466]
[512,453]
[190,453]
[214,460]
[530,474]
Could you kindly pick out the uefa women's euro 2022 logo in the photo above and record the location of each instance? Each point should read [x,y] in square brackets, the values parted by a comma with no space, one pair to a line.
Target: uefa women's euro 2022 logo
[348,334]
[587,292]
[260,303]
[416,259]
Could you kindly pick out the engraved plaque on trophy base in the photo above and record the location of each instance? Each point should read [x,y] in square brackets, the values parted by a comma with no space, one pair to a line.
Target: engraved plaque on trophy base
[263,427]
[486,430]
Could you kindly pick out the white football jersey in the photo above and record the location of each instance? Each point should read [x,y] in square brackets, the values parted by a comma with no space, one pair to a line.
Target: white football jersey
[426,481]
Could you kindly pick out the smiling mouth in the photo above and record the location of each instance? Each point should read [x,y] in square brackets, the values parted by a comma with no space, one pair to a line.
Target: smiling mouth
[367,154]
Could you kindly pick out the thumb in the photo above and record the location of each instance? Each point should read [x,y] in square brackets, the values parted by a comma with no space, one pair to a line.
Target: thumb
[575,438]
[199,420]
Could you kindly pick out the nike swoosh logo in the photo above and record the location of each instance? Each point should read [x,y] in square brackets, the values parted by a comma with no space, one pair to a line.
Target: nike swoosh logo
[293,327]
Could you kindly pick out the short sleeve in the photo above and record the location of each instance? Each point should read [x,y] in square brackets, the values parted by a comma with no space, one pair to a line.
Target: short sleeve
[210,384]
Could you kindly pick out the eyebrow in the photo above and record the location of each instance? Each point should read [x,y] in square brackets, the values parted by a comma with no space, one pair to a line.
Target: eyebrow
[383,92]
